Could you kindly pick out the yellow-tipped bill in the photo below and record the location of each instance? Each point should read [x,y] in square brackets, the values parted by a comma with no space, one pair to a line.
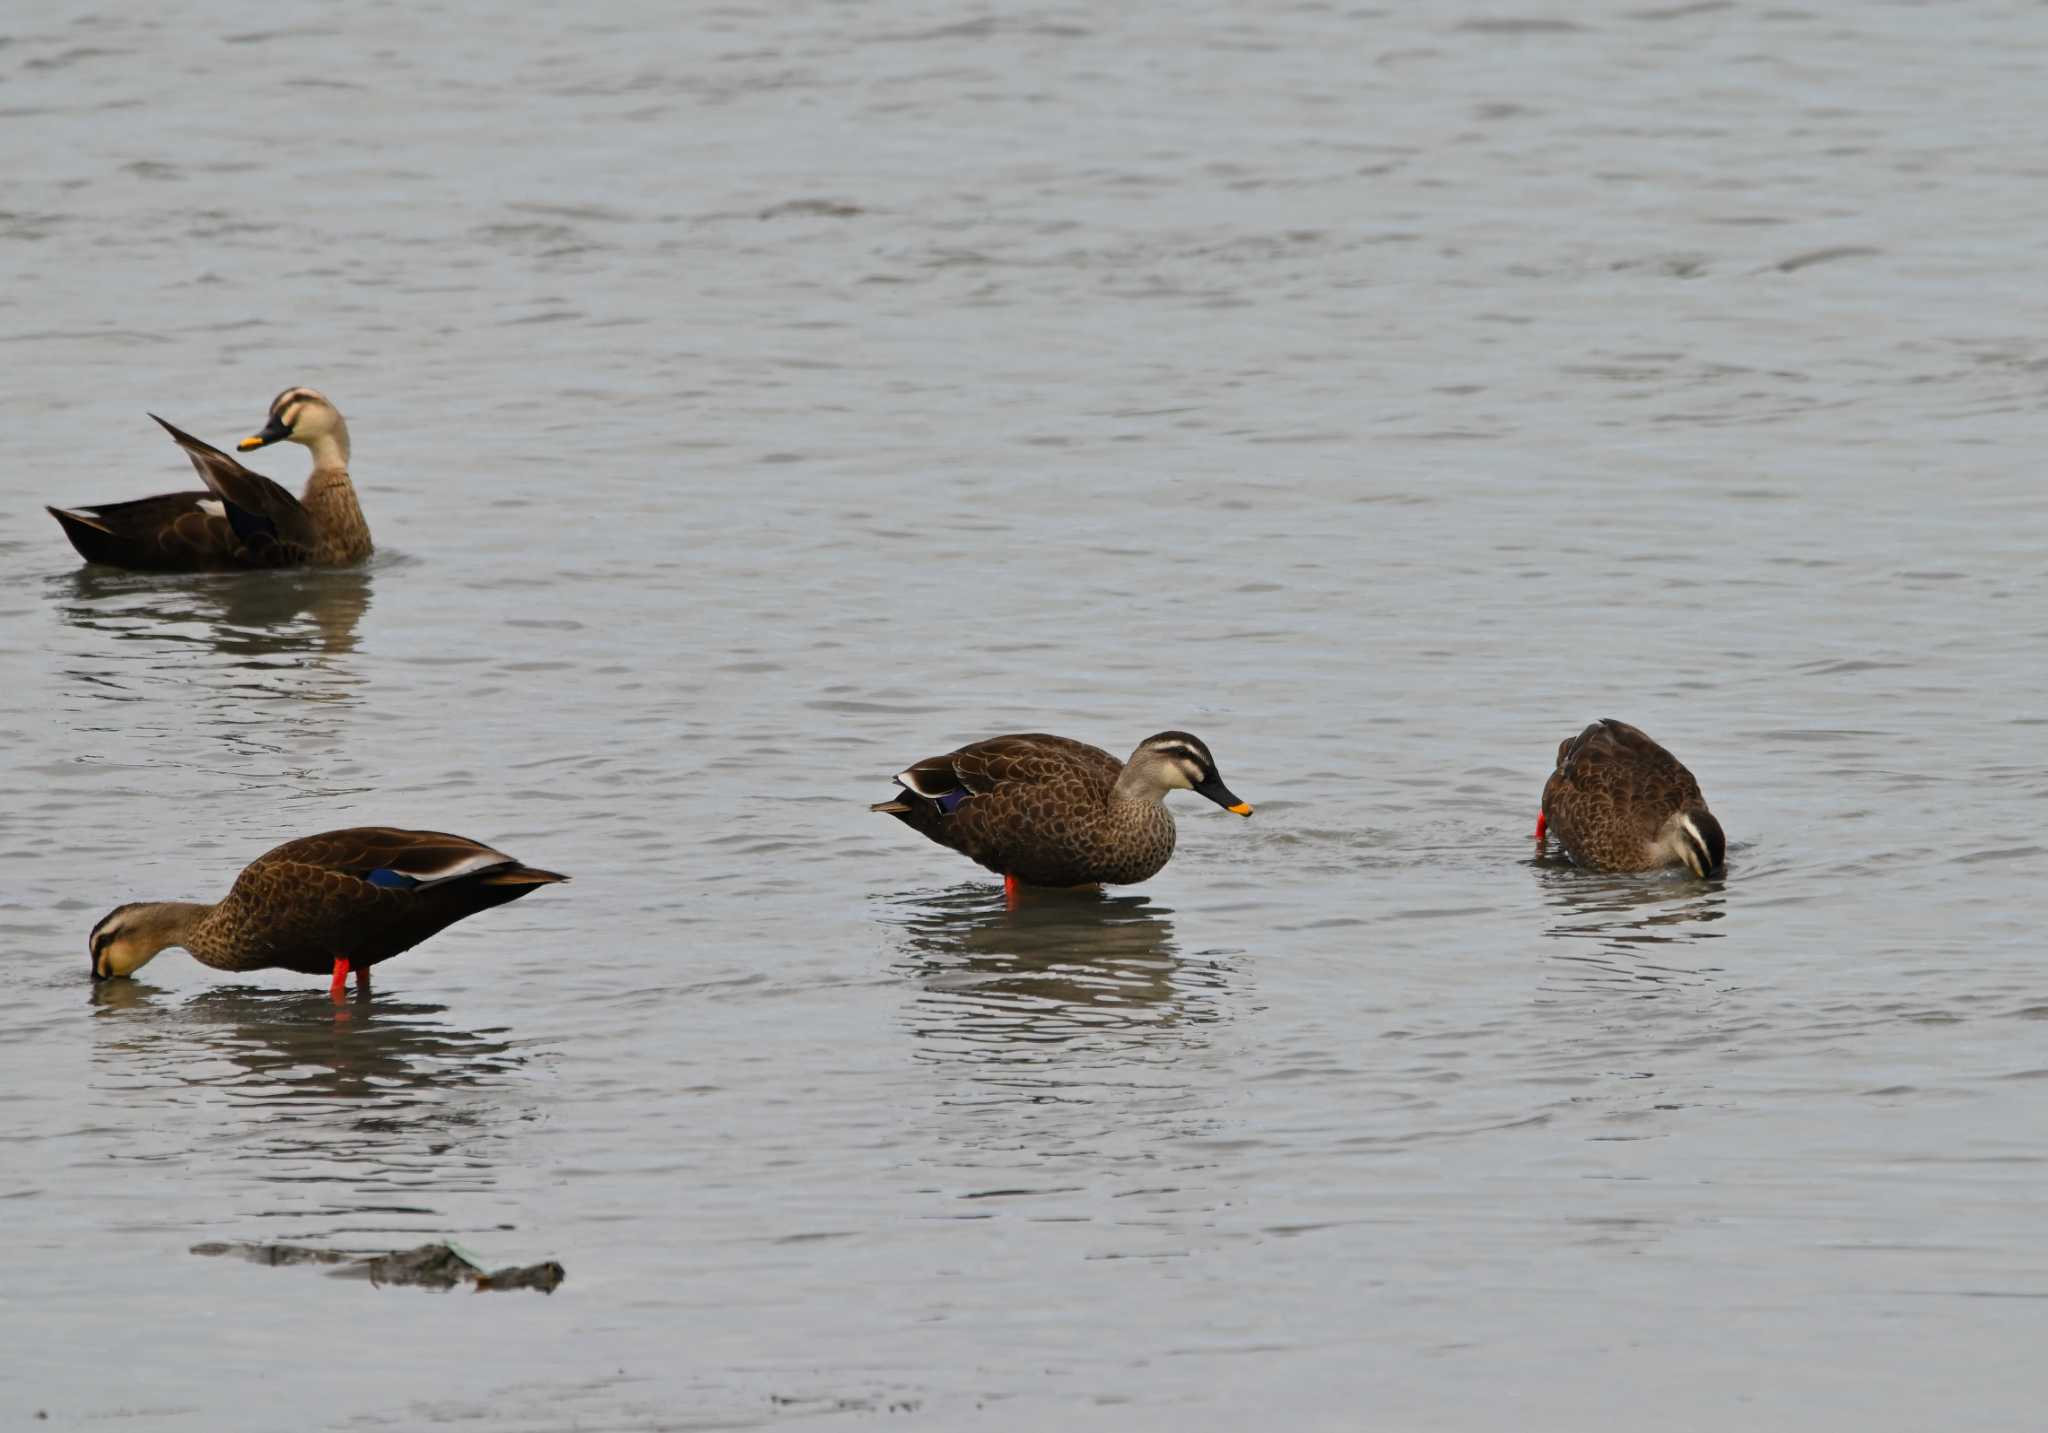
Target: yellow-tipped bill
[1222,795]
[275,431]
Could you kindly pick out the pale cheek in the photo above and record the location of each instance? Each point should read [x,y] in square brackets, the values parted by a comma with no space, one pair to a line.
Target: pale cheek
[125,960]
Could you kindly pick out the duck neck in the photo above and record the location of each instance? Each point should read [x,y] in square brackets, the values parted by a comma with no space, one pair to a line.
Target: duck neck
[331,498]
[330,448]
[154,927]
[1131,786]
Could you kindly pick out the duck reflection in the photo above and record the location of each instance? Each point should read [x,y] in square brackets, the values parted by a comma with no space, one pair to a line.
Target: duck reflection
[1062,967]
[256,617]
[254,637]
[1628,930]
[373,1109]
[301,1043]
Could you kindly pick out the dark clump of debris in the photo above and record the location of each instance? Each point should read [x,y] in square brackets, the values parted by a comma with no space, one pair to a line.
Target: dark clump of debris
[431,1266]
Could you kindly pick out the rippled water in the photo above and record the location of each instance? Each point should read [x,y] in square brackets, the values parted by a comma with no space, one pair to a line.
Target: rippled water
[750,401]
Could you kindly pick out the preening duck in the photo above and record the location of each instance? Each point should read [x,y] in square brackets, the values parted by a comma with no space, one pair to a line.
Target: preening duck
[338,901]
[1620,802]
[242,519]
[1048,811]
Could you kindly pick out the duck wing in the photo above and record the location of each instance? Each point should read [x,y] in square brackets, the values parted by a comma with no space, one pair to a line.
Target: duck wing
[274,528]
[1658,780]
[1615,777]
[980,768]
[999,802]
[366,894]
[393,859]
[174,532]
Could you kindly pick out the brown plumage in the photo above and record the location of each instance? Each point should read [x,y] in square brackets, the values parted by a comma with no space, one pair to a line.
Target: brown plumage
[1620,802]
[1050,811]
[339,900]
[242,519]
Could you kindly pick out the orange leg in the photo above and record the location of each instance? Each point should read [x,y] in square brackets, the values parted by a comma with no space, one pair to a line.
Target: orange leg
[338,991]
[1542,825]
[1010,884]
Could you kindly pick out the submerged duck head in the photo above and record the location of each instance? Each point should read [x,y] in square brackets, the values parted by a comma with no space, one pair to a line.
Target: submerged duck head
[1176,761]
[302,415]
[129,937]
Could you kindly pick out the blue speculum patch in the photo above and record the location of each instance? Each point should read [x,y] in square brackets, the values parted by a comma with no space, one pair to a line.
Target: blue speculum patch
[391,880]
[949,801]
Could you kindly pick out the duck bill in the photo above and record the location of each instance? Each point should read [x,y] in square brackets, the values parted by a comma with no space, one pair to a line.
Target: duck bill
[273,432]
[1217,792]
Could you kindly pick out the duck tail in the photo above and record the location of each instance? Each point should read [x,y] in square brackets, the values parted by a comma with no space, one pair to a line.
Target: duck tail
[893,808]
[95,541]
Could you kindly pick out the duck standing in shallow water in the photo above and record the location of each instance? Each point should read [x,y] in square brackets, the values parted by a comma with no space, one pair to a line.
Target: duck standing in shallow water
[1619,802]
[1047,811]
[241,519]
[338,901]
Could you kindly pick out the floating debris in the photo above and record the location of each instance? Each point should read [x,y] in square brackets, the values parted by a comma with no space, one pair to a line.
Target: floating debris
[431,1266]
[815,208]
[1825,256]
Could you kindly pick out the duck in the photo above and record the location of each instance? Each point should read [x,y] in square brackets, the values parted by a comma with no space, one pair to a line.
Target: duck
[1050,811]
[1620,802]
[242,519]
[339,901]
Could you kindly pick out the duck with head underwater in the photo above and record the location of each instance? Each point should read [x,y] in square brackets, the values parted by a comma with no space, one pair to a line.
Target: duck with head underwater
[336,902]
[1617,801]
[241,519]
[1049,811]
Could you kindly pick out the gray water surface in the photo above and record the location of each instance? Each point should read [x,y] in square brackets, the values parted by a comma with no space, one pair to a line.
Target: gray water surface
[749,400]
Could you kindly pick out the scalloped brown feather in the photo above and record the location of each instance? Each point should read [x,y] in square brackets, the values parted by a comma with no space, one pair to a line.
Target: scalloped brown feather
[172,533]
[303,904]
[1612,792]
[1038,808]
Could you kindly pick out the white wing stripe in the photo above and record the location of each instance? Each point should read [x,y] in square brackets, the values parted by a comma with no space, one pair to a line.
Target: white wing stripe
[454,870]
[909,779]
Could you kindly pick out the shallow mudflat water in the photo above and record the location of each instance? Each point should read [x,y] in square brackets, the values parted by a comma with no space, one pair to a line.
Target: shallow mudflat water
[748,403]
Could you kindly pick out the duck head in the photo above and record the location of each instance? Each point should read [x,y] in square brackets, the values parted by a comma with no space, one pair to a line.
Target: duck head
[129,937]
[1176,761]
[303,415]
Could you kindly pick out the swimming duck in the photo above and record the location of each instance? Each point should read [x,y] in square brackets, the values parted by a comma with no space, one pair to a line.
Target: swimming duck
[341,900]
[242,519]
[1047,811]
[1619,802]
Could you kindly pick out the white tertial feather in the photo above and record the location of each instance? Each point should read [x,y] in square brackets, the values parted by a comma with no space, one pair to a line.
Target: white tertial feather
[213,507]
[453,870]
[1697,851]
[909,779]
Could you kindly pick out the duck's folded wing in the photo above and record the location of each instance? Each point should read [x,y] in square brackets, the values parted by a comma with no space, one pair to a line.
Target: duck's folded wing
[412,860]
[1630,738]
[931,778]
[976,769]
[172,530]
[986,765]
[983,766]
[271,523]
[1029,756]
